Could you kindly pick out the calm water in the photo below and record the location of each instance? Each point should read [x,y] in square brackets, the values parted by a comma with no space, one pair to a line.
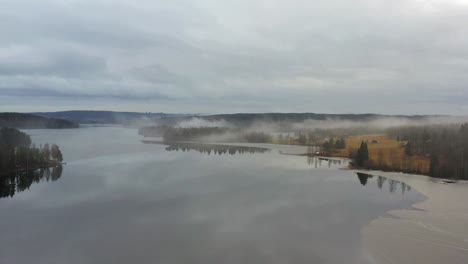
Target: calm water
[118,200]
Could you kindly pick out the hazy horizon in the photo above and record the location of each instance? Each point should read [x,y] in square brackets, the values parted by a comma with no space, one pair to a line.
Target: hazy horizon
[195,114]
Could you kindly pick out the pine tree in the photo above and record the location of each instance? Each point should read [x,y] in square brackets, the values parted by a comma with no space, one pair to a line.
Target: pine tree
[56,153]
[340,144]
[362,155]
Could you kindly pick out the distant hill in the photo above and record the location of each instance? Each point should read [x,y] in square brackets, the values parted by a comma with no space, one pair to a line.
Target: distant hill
[20,120]
[240,119]
[105,117]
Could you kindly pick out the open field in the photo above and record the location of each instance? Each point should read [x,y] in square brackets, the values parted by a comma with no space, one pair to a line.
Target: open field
[284,141]
[386,153]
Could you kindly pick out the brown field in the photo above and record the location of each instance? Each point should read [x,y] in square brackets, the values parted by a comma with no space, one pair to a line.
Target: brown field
[386,153]
[285,141]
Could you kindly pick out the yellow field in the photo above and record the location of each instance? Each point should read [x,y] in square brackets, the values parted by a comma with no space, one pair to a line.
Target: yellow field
[386,152]
[284,141]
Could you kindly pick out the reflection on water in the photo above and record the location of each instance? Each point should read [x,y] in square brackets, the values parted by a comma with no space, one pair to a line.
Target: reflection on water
[393,185]
[120,201]
[21,181]
[210,148]
[320,161]
[363,177]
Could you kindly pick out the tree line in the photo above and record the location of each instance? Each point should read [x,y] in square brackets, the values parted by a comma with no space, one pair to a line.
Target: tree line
[445,145]
[192,133]
[18,153]
[331,144]
[204,134]
[21,120]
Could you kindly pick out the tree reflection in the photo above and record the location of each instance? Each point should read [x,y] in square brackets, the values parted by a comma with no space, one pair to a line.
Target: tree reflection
[317,161]
[391,184]
[331,161]
[363,177]
[13,183]
[380,181]
[403,187]
[209,149]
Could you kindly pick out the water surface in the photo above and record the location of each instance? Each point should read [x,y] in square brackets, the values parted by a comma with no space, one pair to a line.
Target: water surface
[119,200]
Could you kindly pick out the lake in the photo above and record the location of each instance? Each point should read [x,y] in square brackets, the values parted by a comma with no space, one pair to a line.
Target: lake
[118,200]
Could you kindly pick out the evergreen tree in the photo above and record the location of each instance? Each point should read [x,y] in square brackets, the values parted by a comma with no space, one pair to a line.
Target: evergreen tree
[340,143]
[56,154]
[327,146]
[362,155]
[45,152]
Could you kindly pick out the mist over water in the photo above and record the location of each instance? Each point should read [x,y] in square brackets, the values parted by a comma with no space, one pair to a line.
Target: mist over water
[235,127]
[327,123]
[119,200]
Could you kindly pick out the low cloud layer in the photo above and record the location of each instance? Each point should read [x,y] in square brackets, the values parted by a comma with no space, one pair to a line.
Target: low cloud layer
[206,56]
[374,124]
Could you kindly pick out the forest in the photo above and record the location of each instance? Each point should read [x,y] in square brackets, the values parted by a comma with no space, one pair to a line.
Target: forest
[28,121]
[17,153]
[205,134]
[445,145]
[435,150]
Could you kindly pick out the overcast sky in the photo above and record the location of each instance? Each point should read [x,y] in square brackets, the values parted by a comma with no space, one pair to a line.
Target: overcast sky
[212,56]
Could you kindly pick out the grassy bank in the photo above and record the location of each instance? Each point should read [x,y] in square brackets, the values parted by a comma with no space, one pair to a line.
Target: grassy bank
[385,153]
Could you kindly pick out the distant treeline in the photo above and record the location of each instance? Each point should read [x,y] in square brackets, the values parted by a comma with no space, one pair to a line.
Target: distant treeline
[446,145]
[193,133]
[248,119]
[332,144]
[153,131]
[204,134]
[216,134]
[17,153]
[105,117]
[257,137]
[28,121]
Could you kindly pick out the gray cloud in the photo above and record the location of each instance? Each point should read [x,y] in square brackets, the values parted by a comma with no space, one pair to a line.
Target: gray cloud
[44,92]
[47,63]
[236,56]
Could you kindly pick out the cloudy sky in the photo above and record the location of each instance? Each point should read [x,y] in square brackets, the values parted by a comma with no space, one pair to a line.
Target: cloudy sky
[212,56]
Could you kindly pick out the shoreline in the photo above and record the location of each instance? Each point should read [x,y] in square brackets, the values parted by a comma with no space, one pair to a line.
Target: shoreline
[432,231]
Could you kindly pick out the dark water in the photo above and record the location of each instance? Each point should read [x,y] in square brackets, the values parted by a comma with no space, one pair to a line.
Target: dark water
[121,201]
